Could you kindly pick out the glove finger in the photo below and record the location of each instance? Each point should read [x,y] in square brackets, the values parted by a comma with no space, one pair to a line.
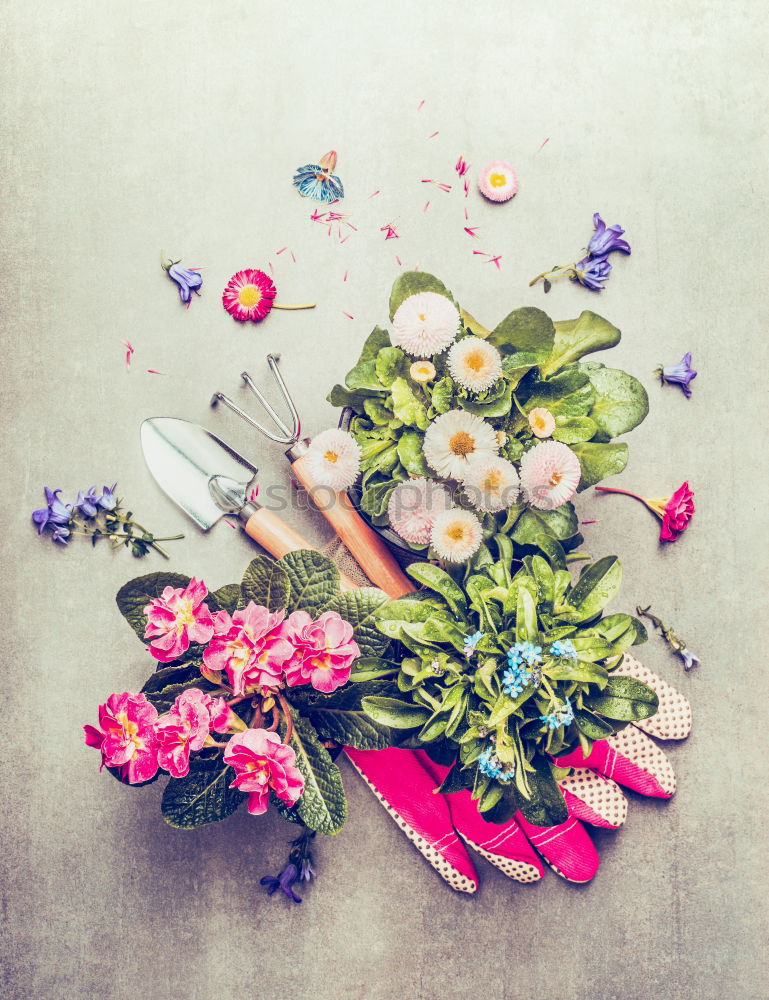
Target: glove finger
[503,845]
[594,799]
[567,848]
[631,759]
[673,719]
[405,789]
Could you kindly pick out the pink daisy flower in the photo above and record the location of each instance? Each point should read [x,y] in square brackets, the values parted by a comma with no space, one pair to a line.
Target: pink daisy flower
[414,506]
[497,181]
[249,295]
[550,474]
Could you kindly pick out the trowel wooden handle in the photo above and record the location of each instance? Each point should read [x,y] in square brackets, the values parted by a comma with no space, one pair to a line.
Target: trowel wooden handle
[371,551]
[278,538]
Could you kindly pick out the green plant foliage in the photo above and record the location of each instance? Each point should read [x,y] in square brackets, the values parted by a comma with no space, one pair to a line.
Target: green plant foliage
[511,665]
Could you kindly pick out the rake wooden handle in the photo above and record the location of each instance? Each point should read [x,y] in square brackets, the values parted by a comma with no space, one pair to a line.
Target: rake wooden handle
[273,534]
[371,551]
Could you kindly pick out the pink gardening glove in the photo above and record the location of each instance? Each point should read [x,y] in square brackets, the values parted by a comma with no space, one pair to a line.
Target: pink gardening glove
[403,780]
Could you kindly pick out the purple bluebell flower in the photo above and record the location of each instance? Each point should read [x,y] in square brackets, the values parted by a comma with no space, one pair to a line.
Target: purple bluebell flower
[60,534]
[680,374]
[56,513]
[306,871]
[284,880]
[606,239]
[187,280]
[88,503]
[689,658]
[108,500]
[592,273]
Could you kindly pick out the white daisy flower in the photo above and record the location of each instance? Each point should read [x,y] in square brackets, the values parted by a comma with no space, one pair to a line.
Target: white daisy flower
[414,506]
[456,535]
[453,438]
[425,324]
[422,371]
[333,459]
[475,364]
[550,474]
[541,422]
[491,484]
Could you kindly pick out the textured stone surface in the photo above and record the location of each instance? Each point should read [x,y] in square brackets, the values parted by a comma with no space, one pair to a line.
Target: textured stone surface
[131,127]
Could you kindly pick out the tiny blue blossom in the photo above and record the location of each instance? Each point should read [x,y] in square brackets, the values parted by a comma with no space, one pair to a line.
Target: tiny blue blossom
[524,652]
[318,181]
[563,649]
[471,641]
[490,765]
[518,677]
[562,716]
[681,374]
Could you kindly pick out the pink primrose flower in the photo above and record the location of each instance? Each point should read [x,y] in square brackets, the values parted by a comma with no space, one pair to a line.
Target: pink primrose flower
[182,729]
[250,647]
[126,736]
[261,763]
[177,618]
[324,650]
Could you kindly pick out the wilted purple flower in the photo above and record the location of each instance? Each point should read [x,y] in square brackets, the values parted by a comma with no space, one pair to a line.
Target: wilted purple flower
[689,658]
[60,534]
[606,239]
[306,871]
[284,880]
[88,503]
[55,513]
[592,273]
[680,374]
[108,500]
[187,280]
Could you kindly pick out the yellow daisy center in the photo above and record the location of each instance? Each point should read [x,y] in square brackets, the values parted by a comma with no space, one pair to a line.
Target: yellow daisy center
[475,361]
[497,180]
[331,456]
[492,480]
[421,317]
[249,296]
[538,423]
[456,532]
[462,443]
[555,478]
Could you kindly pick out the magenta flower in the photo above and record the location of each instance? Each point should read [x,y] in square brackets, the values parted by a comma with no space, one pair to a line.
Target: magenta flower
[324,651]
[126,736]
[184,728]
[251,647]
[262,763]
[177,618]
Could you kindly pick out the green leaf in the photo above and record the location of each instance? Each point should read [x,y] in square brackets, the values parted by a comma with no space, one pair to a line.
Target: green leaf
[364,376]
[496,407]
[376,496]
[376,340]
[340,396]
[562,523]
[227,598]
[203,796]
[586,673]
[359,608]
[322,806]
[391,363]
[599,461]
[526,329]
[438,580]
[407,407]
[546,807]
[314,580]
[412,282]
[266,582]
[340,716]
[377,412]
[526,618]
[621,402]
[592,725]
[134,596]
[569,394]
[571,430]
[410,453]
[576,337]
[625,699]
[442,394]
[394,713]
[597,585]
[184,673]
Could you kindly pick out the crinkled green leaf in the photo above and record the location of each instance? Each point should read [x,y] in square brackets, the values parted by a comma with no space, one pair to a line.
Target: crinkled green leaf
[376,340]
[314,580]
[407,407]
[134,596]
[322,805]
[203,796]
[266,583]
[391,363]
[363,376]
[599,461]
[227,598]
[359,608]
[411,455]
[340,716]
[498,406]
[443,394]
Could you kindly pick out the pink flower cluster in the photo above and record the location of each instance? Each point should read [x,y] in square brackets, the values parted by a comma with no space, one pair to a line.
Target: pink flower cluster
[133,738]
[137,741]
[257,649]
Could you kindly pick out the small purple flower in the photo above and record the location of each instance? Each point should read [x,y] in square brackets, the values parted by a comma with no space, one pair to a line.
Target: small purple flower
[680,374]
[87,503]
[187,280]
[592,273]
[606,239]
[689,658]
[56,513]
[108,500]
[306,871]
[285,881]
[60,534]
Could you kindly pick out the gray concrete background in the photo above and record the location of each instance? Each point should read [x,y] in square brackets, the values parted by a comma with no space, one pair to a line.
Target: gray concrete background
[128,128]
